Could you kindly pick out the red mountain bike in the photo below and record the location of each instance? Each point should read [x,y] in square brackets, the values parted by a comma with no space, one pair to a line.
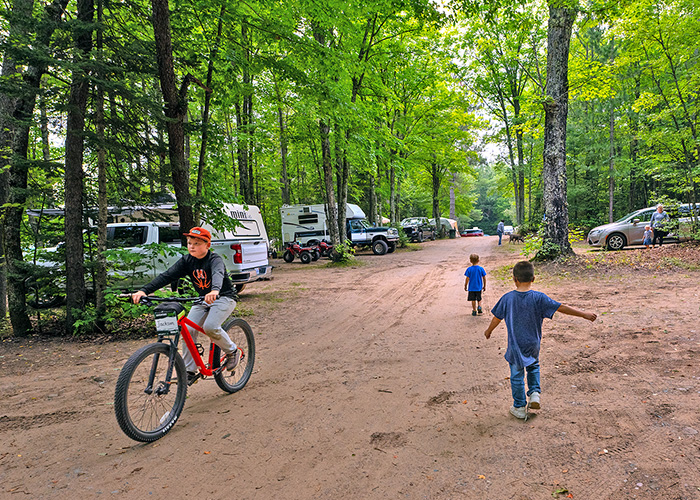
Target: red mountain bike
[152,386]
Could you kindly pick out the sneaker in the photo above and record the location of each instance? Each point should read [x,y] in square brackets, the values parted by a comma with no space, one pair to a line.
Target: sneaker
[535,400]
[473,313]
[192,378]
[232,359]
[519,412]
[478,309]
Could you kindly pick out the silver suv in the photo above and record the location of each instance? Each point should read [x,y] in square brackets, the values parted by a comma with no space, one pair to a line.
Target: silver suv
[629,230]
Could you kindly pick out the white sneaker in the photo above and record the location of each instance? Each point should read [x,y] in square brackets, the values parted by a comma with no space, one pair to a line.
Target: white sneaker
[535,400]
[518,412]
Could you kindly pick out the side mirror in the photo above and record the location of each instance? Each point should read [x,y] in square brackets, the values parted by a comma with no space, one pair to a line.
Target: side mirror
[635,221]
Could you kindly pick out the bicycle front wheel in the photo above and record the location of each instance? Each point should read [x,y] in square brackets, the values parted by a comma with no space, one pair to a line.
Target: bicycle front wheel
[242,335]
[146,403]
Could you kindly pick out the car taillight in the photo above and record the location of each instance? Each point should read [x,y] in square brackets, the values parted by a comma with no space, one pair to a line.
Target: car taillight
[237,254]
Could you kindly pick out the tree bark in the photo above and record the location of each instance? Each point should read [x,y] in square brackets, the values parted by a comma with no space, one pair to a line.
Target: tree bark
[175,111]
[101,272]
[205,118]
[331,207]
[21,13]
[17,182]
[75,128]
[556,232]
[283,145]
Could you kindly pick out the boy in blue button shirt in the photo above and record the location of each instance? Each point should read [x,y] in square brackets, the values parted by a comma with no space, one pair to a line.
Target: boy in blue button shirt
[523,311]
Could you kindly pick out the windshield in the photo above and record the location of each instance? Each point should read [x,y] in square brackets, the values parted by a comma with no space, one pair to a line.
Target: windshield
[624,219]
[411,220]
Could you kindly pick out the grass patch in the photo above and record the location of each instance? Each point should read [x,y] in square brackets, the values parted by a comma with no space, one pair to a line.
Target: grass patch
[242,312]
[353,262]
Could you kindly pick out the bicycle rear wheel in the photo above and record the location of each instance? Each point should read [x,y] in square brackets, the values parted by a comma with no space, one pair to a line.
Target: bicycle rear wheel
[242,335]
[145,403]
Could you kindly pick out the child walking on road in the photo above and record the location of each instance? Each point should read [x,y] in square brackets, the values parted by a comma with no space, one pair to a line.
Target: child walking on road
[648,235]
[475,283]
[523,311]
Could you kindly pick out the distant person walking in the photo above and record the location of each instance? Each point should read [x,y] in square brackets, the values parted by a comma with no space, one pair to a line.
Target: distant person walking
[500,229]
[658,219]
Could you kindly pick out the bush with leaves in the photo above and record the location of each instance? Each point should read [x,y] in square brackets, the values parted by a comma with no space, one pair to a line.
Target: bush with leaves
[343,253]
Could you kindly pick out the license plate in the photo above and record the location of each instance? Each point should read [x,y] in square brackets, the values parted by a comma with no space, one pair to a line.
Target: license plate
[167,324]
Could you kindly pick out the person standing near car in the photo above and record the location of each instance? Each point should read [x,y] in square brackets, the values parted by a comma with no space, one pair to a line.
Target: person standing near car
[658,219]
[500,229]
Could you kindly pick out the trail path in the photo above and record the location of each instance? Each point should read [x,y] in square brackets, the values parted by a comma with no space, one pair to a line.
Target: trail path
[376,382]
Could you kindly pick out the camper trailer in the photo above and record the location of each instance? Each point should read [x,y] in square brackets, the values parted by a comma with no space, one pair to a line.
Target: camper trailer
[308,224]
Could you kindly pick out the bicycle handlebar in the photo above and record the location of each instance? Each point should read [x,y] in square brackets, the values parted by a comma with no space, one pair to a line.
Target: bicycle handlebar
[146,299]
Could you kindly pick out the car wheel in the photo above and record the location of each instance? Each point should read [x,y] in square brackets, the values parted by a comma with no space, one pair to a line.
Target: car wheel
[420,236]
[305,257]
[239,287]
[392,247]
[288,256]
[380,247]
[616,241]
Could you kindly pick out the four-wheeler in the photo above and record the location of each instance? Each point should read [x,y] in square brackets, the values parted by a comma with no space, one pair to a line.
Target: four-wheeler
[305,253]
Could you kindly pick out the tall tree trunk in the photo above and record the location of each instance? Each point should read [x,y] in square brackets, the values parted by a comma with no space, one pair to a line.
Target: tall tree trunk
[17,181]
[101,278]
[392,186]
[373,217]
[175,111]
[18,24]
[435,175]
[611,168]
[283,145]
[75,129]
[556,233]
[331,207]
[205,118]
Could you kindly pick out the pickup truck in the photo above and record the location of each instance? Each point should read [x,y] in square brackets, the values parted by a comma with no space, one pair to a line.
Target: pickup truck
[381,239]
[245,257]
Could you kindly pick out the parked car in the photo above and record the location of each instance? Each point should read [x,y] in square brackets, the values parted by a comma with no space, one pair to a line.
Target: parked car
[475,231]
[508,230]
[629,230]
[419,228]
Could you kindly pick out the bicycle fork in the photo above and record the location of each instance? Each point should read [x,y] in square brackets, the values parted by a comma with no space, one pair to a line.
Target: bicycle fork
[163,386]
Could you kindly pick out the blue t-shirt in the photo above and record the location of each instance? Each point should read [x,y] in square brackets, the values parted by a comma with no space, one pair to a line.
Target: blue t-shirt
[523,313]
[475,275]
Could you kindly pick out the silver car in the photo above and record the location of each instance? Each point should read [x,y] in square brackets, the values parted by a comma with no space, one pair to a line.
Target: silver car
[629,230]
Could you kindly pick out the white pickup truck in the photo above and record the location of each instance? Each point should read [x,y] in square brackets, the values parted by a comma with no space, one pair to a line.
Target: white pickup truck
[245,256]
[244,250]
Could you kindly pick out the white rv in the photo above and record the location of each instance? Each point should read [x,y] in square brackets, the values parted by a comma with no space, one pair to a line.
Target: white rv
[308,224]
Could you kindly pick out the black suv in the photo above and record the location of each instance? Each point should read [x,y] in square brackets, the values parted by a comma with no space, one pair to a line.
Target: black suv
[418,228]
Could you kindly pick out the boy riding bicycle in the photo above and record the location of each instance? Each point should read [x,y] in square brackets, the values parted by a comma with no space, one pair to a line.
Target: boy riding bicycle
[207,272]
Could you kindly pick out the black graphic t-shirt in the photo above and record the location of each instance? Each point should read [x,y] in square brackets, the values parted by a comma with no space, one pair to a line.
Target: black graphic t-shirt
[206,274]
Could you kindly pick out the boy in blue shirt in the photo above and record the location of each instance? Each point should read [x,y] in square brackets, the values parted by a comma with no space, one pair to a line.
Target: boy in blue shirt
[523,311]
[475,283]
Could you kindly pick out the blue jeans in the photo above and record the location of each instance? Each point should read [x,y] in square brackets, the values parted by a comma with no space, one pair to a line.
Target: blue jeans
[500,235]
[517,383]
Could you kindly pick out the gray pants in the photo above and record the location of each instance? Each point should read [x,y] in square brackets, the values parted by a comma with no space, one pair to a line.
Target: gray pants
[210,318]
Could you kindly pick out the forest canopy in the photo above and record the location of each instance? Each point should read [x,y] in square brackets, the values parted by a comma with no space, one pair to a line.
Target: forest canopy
[404,107]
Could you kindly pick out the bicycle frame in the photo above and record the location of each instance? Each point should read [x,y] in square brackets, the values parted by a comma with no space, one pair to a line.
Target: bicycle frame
[184,323]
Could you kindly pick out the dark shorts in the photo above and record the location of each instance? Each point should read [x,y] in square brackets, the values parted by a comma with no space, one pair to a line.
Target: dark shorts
[474,296]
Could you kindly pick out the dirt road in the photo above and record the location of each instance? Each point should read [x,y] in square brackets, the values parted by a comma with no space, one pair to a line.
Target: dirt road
[375,382]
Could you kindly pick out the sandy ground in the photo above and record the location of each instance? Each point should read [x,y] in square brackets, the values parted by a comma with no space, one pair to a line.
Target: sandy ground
[376,382]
